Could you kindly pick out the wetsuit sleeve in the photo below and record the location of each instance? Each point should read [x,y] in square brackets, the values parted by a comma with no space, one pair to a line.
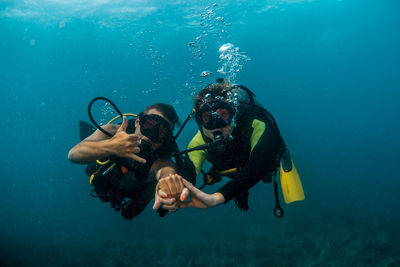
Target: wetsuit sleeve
[261,154]
[194,160]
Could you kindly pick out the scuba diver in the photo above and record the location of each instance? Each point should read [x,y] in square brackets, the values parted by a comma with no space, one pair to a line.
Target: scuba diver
[247,147]
[125,161]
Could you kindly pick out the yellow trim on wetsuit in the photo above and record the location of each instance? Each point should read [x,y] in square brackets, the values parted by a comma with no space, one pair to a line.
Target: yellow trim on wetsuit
[197,156]
[259,128]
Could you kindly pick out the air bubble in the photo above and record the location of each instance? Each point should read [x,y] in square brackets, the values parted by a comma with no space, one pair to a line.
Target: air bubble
[232,60]
[206,73]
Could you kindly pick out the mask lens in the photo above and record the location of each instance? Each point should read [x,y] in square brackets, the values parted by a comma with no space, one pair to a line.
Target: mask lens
[206,116]
[162,131]
[224,113]
[215,115]
[149,123]
[154,127]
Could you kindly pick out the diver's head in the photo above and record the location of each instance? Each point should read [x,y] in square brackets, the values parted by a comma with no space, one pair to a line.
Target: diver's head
[156,124]
[215,110]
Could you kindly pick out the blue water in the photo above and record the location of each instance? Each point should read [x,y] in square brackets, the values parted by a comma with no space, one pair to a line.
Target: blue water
[327,70]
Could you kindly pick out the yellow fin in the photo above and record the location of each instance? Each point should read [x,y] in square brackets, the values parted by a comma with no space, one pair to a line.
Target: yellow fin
[291,185]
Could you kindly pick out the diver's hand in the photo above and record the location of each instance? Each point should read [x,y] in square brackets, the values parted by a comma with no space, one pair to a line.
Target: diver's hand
[172,185]
[125,145]
[161,198]
[169,191]
[199,199]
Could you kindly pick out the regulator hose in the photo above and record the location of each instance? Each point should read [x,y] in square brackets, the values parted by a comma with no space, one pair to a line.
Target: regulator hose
[91,117]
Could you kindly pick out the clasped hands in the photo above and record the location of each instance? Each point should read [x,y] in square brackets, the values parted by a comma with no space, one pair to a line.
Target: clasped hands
[173,192]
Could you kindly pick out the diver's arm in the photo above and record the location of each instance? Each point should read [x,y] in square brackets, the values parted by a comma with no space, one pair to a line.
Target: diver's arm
[162,168]
[95,146]
[175,183]
[166,189]
[201,200]
[98,145]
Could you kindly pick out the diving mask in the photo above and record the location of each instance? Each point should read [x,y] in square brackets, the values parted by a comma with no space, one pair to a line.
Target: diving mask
[215,115]
[155,127]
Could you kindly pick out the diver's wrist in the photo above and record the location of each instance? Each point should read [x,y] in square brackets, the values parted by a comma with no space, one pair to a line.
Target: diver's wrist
[165,172]
[218,198]
[106,147]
